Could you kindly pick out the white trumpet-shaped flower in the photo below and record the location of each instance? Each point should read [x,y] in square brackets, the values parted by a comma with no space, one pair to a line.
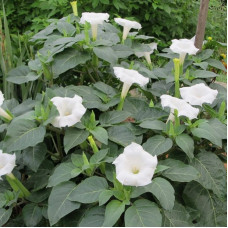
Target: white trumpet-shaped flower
[3,113]
[128,25]
[198,94]
[94,19]
[128,77]
[135,167]
[70,110]
[183,108]
[153,46]
[183,47]
[7,163]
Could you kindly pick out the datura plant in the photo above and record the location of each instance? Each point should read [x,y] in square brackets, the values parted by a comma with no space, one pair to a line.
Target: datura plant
[98,136]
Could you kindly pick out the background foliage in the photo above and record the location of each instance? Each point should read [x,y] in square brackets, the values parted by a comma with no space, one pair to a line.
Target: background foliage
[178,17]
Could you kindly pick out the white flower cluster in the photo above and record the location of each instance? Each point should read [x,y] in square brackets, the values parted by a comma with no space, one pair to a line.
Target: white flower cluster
[193,95]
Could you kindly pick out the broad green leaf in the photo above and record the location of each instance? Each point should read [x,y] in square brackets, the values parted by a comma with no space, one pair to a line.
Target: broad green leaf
[21,74]
[58,203]
[121,135]
[179,171]
[161,189]
[113,211]
[105,196]
[177,217]
[211,208]
[74,137]
[2,200]
[67,60]
[39,196]
[32,215]
[219,128]
[205,54]
[106,53]
[34,156]
[23,133]
[157,145]
[150,114]
[63,172]
[122,51]
[113,117]
[216,63]
[66,28]
[4,215]
[100,134]
[206,131]
[186,143]
[153,125]
[212,172]
[143,213]
[97,157]
[203,74]
[88,190]
[94,217]
[108,90]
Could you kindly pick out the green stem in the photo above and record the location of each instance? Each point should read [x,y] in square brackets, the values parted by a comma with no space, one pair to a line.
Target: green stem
[17,185]
[120,105]
[177,76]
[59,145]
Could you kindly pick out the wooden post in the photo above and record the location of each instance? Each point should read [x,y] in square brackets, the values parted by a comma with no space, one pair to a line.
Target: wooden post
[200,31]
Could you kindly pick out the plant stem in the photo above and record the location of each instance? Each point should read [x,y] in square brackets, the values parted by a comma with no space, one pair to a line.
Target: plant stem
[120,105]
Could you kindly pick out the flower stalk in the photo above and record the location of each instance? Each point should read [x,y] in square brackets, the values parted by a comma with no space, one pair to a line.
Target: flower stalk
[93,144]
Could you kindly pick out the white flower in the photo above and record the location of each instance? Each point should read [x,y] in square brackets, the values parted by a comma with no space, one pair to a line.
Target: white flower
[70,110]
[135,167]
[3,113]
[153,46]
[183,108]
[128,25]
[94,19]
[198,94]
[183,47]
[128,77]
[7,163]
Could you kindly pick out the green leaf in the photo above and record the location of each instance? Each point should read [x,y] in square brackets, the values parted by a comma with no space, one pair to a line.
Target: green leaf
[217,64]
[186,143]
[161,189]
[105,196]
[143,213]
[121,135]
[39,196]
[211,208]
[74,137]
[122,51]
[179,171]
[157,145]
[206,131]
[212,172]
[205,54]
[97,157]
[177,217]
[58,203]
[67,60]
[219,128]
[203,74]
[32,215]
[94,217]
[106,53]
[108,90]
[63,172]
[34,156]
[88,190]
[66,28]
[4,215]
[20,75]
[113,211]
[100,134]
[23,133]
[113,117]
[153,125]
